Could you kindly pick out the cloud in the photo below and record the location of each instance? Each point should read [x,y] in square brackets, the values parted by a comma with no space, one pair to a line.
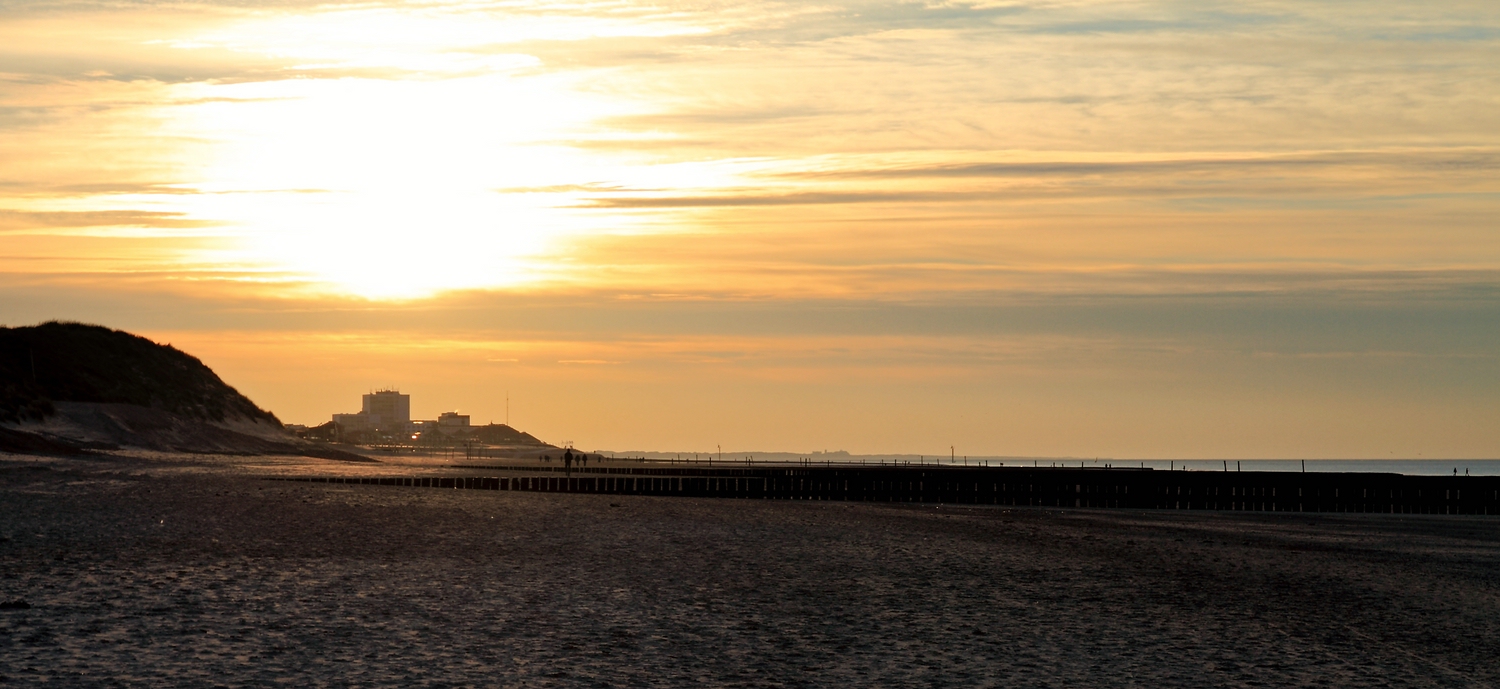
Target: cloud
[1464,159]
[21,220]
[1022,147]
[794,199]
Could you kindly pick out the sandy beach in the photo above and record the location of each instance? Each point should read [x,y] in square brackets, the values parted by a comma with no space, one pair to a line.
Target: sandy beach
[192,571]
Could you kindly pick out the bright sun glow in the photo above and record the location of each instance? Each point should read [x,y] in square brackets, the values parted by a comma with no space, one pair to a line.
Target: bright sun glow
[406,185]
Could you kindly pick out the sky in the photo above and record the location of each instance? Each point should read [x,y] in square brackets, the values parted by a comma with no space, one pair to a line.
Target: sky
[1081,228]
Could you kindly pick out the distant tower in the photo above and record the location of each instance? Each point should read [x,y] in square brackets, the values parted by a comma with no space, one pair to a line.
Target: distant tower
[388,410]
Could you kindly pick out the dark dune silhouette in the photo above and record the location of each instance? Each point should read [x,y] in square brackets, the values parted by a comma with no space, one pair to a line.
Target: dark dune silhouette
[75,362]
[68,388]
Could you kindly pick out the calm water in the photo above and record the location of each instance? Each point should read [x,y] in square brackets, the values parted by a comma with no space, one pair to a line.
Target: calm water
[1415,467]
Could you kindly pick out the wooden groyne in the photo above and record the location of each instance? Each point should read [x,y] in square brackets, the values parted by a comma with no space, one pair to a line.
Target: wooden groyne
[1034,487]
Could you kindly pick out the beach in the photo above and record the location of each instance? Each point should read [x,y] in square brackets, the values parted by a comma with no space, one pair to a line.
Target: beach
[193,570]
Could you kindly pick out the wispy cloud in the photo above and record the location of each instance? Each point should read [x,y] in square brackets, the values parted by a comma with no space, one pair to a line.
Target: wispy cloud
[1461,159]
[20,220]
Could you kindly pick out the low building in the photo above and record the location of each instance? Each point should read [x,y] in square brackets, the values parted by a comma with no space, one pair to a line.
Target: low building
[352,422]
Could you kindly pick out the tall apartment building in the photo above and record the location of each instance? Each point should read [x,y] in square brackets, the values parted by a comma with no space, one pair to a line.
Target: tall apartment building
[387,410]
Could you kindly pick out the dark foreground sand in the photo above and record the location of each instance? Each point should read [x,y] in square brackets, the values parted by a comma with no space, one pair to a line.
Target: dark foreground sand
[153,572]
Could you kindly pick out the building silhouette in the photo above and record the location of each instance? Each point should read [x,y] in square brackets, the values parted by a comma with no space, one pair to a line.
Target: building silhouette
[384,411]
[386,418]
[388,410]
[452,419]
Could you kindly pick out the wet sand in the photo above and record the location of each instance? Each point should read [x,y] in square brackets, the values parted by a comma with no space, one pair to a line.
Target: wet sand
[156,570]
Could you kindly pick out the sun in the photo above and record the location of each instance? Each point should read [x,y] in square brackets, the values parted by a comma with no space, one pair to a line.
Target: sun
[400,184]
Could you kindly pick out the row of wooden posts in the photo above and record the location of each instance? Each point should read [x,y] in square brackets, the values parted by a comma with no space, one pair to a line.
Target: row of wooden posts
[1091,488]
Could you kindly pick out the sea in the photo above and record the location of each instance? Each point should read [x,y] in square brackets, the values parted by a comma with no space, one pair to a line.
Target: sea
[1410,467]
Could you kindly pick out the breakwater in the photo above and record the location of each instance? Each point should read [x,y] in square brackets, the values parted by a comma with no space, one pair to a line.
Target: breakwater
[1021,487]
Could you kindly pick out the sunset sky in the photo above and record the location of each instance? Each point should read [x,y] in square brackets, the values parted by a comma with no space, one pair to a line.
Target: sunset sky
[1075,228]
